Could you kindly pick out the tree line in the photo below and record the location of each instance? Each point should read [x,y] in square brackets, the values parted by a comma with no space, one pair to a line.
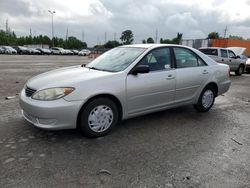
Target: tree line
[127,37]
[10,39]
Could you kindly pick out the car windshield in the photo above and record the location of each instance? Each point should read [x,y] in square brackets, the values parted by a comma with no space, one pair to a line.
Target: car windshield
[117,59]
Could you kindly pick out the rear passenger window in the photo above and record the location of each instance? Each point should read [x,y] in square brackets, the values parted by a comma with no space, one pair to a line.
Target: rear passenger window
[224,53]
[209,51]
[186,58]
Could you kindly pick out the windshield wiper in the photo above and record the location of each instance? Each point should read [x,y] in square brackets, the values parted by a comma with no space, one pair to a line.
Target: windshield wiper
[94,68]
[105,70]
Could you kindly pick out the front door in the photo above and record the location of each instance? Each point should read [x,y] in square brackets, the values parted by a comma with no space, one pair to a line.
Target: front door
[153,90]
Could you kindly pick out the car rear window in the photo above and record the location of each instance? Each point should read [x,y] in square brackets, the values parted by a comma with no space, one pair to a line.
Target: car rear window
[209,51]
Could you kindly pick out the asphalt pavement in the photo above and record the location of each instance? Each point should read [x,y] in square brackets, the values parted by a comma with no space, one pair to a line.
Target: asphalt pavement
[172,148]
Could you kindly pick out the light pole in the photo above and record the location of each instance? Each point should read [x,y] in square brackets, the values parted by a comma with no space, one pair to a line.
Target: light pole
[52,12]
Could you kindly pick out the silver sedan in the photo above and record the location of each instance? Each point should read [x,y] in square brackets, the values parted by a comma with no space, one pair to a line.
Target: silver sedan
[124,82]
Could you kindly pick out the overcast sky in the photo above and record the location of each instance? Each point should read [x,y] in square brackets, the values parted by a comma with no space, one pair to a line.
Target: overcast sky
[193,18]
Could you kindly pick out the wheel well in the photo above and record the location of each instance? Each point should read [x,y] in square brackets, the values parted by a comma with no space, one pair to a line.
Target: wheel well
[242,65]
[111,97]
[214,85]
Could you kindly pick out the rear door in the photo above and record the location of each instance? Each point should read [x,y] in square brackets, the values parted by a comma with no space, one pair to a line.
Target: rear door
[191,74]
[223,57]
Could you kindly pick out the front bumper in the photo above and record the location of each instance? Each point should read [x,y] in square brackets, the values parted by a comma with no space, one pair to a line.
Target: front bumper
[248,67]
[54,115]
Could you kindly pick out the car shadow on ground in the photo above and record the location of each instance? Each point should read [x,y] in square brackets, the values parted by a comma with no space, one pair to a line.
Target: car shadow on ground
[154,122]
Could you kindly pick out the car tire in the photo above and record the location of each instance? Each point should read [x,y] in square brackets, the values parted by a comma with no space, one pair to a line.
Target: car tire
[206,99]
[240,70]
[98,117]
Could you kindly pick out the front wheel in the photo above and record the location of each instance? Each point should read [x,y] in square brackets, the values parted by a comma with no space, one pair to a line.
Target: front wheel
[98,117]
[240,70]
[206,100]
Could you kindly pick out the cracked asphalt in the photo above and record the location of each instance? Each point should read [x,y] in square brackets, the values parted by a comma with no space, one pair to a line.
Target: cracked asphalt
[172,148]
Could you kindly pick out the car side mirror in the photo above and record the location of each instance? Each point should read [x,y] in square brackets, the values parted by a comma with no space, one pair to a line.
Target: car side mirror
[140,69]
[237,57]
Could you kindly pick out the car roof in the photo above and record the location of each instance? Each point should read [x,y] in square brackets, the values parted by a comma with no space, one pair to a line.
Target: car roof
[153,45]
[213,48]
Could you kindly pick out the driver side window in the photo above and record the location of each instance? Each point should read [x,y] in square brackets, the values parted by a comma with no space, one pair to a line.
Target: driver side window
[158,59]
[231,54]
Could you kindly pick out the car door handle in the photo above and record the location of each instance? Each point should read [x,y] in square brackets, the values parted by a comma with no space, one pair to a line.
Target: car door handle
[170,77]
[222,60]
[205,72]
[230,60]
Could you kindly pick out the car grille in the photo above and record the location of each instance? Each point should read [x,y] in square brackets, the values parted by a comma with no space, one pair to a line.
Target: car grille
[29,92]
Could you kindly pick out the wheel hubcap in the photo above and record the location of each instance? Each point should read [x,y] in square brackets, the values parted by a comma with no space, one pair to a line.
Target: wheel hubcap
[207,98]
[100,118]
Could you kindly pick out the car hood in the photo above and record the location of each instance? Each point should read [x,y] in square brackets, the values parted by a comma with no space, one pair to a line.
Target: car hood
[64,77]
[237,50]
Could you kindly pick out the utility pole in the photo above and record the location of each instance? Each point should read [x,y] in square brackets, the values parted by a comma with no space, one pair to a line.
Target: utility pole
[83,36]
[225,32]
[30,32]
[67,32]
[7,29]
[105,37]
[52,12]
[156,35]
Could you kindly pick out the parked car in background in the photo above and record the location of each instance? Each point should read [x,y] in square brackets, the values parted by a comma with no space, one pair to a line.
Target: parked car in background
[57,51]
[84,52]
[248,65]
[44,51]
[112,87]
[9,50]
[68,52]
[225,56]
[75,52]
[34,51]
[21,49]
[1,50]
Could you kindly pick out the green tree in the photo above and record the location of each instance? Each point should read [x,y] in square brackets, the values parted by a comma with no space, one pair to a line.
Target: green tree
[175,40]
[111,44]
[74,43]
[213,35]
[127,37]
[236,37]
[144,41]
[150,40]
[10,38]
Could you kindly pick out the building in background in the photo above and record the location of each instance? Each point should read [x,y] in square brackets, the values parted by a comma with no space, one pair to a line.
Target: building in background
[223,43]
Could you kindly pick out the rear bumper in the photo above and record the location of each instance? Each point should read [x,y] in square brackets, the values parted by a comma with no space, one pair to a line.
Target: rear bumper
[224,87]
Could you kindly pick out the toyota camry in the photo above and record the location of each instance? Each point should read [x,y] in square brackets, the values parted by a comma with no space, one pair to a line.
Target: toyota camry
[124,82]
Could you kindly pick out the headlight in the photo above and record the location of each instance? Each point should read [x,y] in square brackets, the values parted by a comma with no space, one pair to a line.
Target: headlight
[52,93]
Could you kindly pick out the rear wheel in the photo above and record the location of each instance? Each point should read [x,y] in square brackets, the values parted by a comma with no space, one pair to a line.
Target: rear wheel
[98,117]
[240,70]
[206,99]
